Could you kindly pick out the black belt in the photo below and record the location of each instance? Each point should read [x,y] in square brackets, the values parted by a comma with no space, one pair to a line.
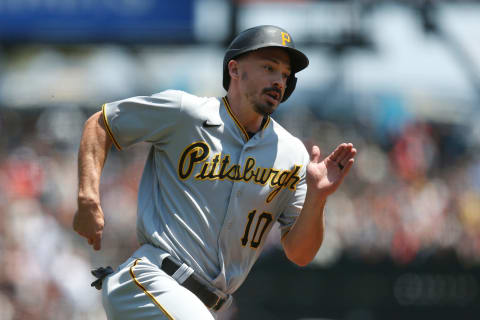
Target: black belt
[201,288]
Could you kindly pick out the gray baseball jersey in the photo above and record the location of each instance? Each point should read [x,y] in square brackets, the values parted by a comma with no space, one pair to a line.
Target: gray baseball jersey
[209,194]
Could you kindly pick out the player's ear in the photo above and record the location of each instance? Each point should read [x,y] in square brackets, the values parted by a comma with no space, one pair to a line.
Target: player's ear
[233,69]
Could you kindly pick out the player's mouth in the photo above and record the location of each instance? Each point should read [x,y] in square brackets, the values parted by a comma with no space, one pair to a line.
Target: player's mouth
[273,93]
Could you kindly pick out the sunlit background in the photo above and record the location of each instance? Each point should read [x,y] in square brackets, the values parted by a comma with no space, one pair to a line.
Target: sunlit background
[399,79]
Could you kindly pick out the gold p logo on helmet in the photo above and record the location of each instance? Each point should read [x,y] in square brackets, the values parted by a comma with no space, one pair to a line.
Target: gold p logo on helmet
[285,38]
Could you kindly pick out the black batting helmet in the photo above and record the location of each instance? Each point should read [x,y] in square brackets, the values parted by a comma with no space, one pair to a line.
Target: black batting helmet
[262,37]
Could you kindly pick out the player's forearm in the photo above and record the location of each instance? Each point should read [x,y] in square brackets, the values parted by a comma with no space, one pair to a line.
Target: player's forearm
[93,151]
[303,241]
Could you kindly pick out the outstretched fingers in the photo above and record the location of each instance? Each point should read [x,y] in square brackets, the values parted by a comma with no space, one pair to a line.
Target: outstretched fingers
[342,154]
[342,157]
[348,154]
[348,166]
[315,154]
[338,152]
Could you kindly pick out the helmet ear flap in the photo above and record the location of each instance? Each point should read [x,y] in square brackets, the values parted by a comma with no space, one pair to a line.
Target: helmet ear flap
[291,83]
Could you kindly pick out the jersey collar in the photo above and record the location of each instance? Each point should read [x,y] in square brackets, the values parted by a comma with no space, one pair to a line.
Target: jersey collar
[246,136]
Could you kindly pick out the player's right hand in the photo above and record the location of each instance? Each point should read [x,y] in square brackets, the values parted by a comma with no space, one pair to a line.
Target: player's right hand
[89,222]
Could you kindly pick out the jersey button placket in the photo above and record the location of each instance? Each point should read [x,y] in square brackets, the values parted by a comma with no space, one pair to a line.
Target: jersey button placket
[236,193]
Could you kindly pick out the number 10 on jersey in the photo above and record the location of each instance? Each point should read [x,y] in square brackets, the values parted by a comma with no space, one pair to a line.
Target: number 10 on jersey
[261,224]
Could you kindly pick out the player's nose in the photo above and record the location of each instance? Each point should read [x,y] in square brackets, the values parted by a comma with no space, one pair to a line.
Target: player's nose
[279,86]
[279,80]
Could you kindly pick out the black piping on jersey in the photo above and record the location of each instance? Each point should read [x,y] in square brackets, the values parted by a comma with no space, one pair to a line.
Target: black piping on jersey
[109,130]
[151,296]
[239,125]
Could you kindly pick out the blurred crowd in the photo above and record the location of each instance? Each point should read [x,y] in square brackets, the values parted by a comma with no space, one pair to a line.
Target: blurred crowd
[44,266]
[414,192]
[411,195]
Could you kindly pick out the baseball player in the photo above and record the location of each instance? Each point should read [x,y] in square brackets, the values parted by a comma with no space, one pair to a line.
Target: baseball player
[219,173]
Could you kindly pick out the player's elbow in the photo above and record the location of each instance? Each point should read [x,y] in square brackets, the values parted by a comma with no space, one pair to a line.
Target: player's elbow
[301,253]
[299,257]
[300,260]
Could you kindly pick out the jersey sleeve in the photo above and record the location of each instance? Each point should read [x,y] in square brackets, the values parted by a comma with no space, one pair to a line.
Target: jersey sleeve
[143,119]
[295,204]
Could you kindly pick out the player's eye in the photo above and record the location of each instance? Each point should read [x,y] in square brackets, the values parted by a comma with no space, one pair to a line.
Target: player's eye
[268,68]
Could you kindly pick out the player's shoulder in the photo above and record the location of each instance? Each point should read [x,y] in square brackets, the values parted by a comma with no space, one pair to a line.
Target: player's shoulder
[283,134]
[287,140]
[193,106]
[187,100]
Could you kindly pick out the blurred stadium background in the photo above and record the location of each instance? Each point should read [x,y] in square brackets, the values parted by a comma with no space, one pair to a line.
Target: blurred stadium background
[400,79]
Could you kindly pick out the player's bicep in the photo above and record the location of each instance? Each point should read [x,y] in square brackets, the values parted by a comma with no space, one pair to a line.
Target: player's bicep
[94,132]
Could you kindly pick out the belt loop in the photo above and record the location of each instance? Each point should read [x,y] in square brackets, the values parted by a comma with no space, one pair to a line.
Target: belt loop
[182,273]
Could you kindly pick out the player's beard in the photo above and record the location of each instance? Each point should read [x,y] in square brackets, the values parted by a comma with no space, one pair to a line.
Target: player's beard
[265,108]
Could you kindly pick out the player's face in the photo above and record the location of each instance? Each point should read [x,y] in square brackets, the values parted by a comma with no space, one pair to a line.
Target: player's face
[263,76]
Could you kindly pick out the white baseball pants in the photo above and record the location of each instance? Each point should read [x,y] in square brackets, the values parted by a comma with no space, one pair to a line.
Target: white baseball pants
[139,289]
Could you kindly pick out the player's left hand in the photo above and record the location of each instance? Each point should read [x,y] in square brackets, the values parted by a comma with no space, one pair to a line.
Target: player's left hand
[324,177]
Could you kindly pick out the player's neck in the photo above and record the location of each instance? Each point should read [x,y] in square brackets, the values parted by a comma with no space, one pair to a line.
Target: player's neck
[248,118]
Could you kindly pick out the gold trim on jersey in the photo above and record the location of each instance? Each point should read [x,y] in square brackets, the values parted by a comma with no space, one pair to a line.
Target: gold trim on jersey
[109,130]
[239,125]
[155,301]
[266,123]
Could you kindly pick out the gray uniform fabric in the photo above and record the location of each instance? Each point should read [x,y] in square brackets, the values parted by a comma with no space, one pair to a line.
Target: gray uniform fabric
[209,195]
